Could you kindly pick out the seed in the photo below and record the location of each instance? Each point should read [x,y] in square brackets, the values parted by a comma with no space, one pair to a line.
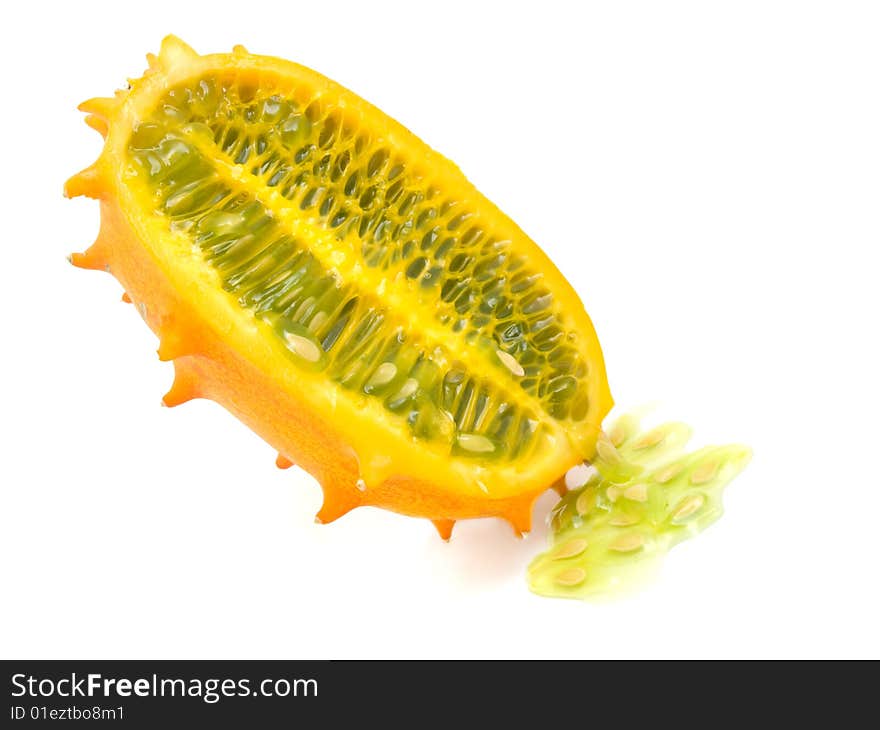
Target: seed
[705,472]
[361,485]
[687,507]
[652,438]
[407,389]
[637,493]
[667,473]
[571,577]
[586,502]
[570,549]
[475,443]
[220,223]
[317,321]
[384,374]
[623,520]
[509,361]
[606,451]
[613,493]
[304,308]
[617,434]
[628,543]
[303,347]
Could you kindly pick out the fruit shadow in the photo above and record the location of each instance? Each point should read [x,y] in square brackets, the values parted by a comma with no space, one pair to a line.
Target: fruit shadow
[483,553]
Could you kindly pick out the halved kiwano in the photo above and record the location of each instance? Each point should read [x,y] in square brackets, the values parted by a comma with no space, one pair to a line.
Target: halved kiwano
[315,268]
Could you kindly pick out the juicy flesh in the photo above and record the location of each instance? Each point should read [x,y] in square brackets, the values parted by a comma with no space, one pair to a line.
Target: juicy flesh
[365,269]
[644,496]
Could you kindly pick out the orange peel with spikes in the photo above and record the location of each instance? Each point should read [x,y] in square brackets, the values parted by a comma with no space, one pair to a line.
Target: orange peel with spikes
[341,288]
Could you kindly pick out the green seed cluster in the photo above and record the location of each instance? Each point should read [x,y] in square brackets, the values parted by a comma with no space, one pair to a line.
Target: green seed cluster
[644,497]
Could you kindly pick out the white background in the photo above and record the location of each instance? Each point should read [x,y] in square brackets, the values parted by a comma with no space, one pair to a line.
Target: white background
[708,177]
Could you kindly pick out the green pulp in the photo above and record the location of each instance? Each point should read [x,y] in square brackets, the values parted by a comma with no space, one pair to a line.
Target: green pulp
[645,496]
[341,184]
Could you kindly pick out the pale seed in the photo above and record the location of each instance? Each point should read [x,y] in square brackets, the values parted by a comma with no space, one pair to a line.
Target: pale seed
[301,310]
[571,577]
[687,507]
[705,472]
[667,474]
[384,374]
[303,347]
[407,389]
[652,438]
[475,443]
[319,319]
[617,434]
[220,222]
[585,502]
[510,362]
[570,549]
[628,543]
[606,451]
[637,493]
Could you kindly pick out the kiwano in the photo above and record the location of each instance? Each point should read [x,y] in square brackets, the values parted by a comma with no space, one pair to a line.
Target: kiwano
[342,289]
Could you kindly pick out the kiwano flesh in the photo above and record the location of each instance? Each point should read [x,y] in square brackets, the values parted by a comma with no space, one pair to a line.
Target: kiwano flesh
[312,266]
[642,496]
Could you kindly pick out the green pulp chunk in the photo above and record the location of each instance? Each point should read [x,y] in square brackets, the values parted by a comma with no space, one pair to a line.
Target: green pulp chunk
[645,496]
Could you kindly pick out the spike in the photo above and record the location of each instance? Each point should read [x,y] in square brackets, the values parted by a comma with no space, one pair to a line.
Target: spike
[126,298]
[282,462]
[104,107]
[171,346]
[99,124]
[89,259]
[520,517]
[152,61]
[239,50]
[444,528]
[337,502]
[183,389]
[174,51]
[96,257]
[86,182]
[177,340]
